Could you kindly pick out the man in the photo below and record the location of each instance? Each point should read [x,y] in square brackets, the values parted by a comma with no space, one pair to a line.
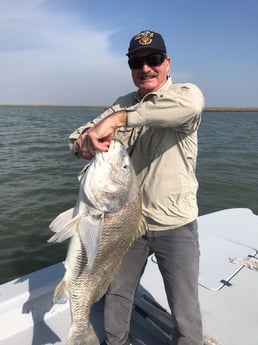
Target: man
[158,125]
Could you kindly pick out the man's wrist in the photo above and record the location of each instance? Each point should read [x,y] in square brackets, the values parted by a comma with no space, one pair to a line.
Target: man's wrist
[120,118]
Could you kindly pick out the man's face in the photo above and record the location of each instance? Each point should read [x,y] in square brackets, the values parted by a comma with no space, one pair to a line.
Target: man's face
[148,78]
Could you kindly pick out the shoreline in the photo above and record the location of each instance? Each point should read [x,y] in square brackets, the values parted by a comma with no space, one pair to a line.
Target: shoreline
[230,109]
[206,109]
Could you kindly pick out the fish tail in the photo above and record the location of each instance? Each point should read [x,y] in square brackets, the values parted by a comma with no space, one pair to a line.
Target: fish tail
[87,338]
[60,294]
[142,226]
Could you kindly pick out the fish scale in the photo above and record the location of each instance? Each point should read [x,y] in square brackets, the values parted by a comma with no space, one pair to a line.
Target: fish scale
[103,224]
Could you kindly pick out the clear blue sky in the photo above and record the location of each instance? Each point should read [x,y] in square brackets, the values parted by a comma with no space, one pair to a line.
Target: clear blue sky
[73,51]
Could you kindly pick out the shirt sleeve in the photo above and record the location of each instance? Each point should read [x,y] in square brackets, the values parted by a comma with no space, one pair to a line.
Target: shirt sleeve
[178,107]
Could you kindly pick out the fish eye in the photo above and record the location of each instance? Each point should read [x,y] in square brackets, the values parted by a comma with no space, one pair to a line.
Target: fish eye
[125,166]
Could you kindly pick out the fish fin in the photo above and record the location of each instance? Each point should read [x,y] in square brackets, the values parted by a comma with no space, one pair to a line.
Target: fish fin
[142,226]
[83,171]
[88,337]
[64,226]
[90,229]
[60,294]
[60,221]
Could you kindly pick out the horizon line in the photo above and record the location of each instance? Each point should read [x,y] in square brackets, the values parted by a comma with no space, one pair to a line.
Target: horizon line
[206,109]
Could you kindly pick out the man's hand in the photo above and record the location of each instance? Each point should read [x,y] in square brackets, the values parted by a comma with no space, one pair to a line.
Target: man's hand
[99,137]
[83,147]
[104,131]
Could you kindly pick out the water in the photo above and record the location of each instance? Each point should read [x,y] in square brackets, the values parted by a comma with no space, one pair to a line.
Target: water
[227,162]
[38,176]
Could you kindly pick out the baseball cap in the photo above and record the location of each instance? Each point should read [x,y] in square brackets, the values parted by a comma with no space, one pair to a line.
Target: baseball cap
[146,39]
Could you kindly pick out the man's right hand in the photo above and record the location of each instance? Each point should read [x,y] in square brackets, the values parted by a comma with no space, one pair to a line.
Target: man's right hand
[99,136]
[83,147]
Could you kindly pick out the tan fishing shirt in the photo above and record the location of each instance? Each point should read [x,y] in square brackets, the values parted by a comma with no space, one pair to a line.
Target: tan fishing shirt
[161,139]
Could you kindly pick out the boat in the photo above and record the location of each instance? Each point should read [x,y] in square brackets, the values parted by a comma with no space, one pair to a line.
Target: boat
[228,286]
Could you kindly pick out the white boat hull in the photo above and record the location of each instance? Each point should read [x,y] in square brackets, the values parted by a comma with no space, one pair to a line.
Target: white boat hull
[228,294]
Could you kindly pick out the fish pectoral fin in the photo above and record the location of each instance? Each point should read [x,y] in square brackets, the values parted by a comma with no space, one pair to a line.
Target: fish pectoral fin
[64,226]
[90,229]
[60,221]
[60,294]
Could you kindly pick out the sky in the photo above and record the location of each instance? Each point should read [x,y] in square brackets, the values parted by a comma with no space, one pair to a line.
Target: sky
[73,52]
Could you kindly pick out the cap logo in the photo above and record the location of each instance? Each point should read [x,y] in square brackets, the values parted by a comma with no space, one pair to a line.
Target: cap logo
[144,38]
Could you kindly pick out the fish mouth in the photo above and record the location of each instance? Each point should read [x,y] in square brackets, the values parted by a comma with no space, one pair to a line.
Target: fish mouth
[114,147]
[111,145]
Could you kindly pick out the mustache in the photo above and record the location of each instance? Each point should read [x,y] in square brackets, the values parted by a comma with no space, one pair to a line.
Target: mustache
[144,76]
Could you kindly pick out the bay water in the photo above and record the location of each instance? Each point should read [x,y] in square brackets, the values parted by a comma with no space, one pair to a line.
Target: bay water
[38,175]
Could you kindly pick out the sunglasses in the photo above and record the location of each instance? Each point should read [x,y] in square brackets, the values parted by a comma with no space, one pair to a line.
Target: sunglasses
[152,60]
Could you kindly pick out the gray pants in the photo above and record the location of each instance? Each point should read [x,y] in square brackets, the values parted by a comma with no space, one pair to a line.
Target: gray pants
[177,253]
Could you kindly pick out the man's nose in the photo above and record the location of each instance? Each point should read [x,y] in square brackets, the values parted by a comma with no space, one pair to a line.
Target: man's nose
[145,67]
